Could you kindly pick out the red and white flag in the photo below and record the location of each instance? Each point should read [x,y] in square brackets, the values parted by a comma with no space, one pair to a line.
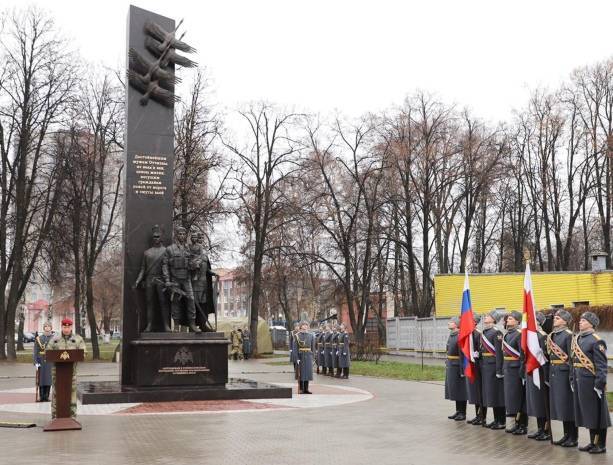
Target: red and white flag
[534,357]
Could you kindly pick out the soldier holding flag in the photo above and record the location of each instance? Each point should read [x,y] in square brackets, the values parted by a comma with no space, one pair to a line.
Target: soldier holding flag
[536,400]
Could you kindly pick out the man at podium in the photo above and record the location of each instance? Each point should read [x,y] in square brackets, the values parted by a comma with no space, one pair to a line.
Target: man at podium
[67,340]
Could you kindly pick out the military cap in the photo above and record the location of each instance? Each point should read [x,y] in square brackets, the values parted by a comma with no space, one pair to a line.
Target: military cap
[565,315]
[66,322]
[495,315]
[592,318]
[456,320]
[540,318]
[476,317]
[517,315]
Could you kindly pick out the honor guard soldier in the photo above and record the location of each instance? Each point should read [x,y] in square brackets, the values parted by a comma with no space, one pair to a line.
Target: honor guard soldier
[328,357]
[335,367]
[561,402]
[319,356]
[291,341]
[344,355]
[492,384]
[65,341]
[514,392]
[303,347]
[589,354]
[455,386]
[473,389]
[536,396]
[43,368]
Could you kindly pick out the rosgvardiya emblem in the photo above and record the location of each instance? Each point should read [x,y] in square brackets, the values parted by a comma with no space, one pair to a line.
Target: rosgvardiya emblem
[184,356]
[65,355]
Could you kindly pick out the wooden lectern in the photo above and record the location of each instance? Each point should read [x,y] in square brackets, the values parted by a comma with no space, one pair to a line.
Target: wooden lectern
[64,361]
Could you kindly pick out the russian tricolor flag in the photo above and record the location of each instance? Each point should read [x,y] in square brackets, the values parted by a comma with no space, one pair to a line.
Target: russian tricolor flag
[467,326]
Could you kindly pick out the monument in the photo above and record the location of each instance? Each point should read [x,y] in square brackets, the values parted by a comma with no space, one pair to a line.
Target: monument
[167,282]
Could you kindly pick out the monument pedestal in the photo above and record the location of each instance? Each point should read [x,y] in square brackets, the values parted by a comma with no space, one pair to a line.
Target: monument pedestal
[170,367]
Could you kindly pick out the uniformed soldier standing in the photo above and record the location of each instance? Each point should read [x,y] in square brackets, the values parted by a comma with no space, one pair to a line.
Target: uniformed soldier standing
[43,367]
[589,353]
[514,375]
[344,354]
[303,347]
[291,341]
[561,402]
[66,341]
[328,358]
[455,386]
[319,347]
[236,339]
[536,396]
[492,387]
[175,268]
[335,368]
[473,389]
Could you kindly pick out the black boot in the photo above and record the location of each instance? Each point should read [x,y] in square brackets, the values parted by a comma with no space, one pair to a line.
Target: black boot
[591,445]
[600,442]
[460,407]
[573,435]
[306,388]
[477,419]
[522,424]
[193,328]
[482,416]
[300,387]
[41,393]
[540,422]
[565,437]
[346,373]
[512,429]
[47,393]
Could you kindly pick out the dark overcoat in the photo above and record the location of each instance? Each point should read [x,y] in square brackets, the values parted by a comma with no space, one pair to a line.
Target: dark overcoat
[473,389]
[303,348]
[455,385]
[591,411]
[344,355]
[491,365]
[38,355]
[561,402]
[535,396]
[514,393]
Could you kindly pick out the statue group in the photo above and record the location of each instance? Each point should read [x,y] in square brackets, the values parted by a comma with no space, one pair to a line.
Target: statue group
[178,283]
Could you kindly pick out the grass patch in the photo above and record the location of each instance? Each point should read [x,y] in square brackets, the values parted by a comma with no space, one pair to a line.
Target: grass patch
[106,353]
[391,370]
[398,370]
[271,356]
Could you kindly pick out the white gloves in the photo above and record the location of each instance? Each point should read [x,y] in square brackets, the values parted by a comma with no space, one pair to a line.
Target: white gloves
[37,365]
[475,354]
[499,376]
[599,392]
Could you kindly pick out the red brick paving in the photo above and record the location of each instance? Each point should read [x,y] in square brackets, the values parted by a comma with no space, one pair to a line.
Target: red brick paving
[197,406]
[16,398]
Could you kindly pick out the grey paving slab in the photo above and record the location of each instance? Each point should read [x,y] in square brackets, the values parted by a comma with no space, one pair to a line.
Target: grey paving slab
[405,423]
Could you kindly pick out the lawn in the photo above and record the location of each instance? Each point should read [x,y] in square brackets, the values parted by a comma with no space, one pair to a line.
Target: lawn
[392,370]
[106,353]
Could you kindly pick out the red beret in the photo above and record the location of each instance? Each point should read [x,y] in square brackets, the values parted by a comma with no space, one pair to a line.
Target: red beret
[66,322]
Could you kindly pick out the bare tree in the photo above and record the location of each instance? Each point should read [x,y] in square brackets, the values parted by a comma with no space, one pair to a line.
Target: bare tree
[36,85]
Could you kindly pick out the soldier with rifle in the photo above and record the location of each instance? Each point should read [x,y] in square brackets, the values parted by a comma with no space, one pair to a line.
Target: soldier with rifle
[589,354]
[303,347]
[561,401]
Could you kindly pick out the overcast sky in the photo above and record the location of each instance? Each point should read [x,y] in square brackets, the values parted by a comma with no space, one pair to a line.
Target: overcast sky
[359,56]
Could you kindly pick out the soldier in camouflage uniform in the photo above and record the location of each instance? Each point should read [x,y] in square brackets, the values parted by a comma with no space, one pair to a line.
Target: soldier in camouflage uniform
[589,354]
[236,339]
[43,367]
[559,350]
[66,341]
[176,272]
[514,375]
[455,386]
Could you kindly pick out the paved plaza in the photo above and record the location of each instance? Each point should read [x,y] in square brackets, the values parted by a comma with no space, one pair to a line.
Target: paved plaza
[357,421]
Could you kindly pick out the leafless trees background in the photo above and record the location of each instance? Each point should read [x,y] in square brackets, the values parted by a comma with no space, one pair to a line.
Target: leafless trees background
[332,212]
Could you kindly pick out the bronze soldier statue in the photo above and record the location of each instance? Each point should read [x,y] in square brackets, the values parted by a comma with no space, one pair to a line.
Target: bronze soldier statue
[202,281]
[177,279]
[151,274]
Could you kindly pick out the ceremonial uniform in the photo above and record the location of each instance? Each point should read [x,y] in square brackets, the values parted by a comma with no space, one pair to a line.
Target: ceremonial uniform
[514,392]
[61,342]
[589,355]
[319,355]
[344,354]
[303,347]
[43,367]
[334,354]
[455,386]
[561,402]
[536,397]
[328,358]
[491,375]
[473,388]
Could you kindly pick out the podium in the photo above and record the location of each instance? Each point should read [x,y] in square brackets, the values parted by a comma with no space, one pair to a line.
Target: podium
[64,360]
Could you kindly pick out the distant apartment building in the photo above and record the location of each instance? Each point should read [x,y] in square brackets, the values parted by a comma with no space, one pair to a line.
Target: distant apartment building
[233,299]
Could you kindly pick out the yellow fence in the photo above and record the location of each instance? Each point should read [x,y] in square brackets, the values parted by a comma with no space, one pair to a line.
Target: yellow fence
[505,290]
